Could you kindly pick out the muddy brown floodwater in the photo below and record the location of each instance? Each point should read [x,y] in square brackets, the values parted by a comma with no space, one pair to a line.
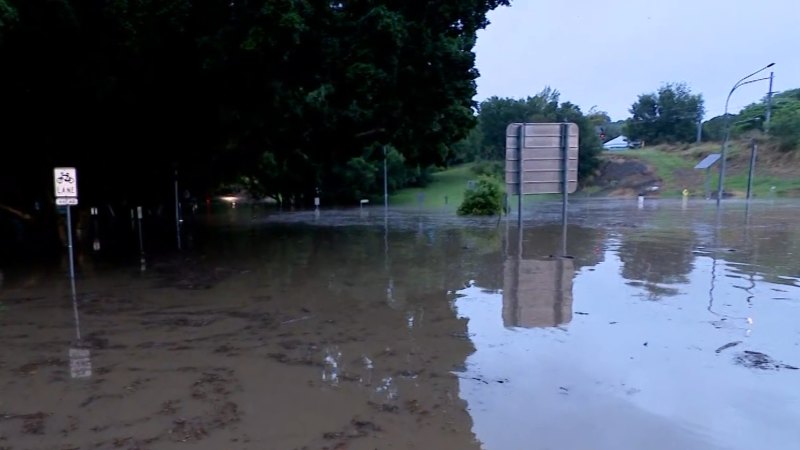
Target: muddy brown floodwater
[670,326]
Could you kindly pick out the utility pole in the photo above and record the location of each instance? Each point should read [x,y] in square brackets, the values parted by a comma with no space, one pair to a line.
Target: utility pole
[769,102]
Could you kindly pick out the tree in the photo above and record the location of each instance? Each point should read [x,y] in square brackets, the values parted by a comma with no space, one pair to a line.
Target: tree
[714,128]
[8,17]
[602,122]
[468,149]
[293,95]
[495,114]
[669,115]
[785,126]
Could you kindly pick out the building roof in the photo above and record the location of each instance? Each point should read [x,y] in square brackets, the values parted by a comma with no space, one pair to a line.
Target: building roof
[617,142]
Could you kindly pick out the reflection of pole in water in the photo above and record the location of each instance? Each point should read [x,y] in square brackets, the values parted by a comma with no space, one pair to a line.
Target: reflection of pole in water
[178,213]
[142,264]
[390,281]
[718,215]
[718,246]
[747,220]
[713,284]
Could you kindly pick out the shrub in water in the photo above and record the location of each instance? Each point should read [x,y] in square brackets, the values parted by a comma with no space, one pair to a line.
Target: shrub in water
[485,200]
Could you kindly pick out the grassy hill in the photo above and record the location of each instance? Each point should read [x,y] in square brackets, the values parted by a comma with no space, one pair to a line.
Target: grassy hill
[448,185]
[445,189]
[674,164]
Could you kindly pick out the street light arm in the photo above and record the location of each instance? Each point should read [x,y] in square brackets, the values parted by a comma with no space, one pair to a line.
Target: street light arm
[743,81]
[753,81]
[740,82]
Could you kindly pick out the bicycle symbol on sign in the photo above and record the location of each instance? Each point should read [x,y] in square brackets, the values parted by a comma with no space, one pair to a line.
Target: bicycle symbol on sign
[65,178]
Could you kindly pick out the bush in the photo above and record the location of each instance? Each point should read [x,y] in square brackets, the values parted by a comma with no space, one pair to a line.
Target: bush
[485,200]
[489,168]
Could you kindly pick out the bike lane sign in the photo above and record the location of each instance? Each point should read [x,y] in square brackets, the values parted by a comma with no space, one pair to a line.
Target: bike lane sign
[66,185]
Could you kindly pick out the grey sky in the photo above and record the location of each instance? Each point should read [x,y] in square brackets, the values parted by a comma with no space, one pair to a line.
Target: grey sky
[606,53]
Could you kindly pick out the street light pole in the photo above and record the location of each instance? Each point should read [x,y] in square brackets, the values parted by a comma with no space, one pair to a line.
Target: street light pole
[769,102]
[743,81]
[751,170]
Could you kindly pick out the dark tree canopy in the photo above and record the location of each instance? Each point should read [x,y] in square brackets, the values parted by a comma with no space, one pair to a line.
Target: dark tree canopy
[785,120]
[669,115]
[289,95]
[495,114]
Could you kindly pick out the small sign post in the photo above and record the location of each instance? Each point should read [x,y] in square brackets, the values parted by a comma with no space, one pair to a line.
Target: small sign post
[65,182]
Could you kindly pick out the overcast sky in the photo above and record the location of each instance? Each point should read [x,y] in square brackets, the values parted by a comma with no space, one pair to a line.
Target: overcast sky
[605,53]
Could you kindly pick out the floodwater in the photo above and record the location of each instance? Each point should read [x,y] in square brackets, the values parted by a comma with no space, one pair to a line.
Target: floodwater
[669,326]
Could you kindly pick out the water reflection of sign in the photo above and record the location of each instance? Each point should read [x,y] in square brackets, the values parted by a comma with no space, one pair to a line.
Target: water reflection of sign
[537,293]
[80,363]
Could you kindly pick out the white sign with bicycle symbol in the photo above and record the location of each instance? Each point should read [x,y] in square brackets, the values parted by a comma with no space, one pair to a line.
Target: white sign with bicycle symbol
[66,185]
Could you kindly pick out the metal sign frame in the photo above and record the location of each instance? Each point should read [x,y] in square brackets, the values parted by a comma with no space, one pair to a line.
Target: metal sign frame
[542,158]
[537,155]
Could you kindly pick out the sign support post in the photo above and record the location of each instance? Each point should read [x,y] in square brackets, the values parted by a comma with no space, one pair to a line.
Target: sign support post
[565,182]
[520,146]
[65,182]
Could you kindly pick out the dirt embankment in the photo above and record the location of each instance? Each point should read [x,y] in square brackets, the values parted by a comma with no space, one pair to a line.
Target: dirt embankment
[625,177]
[671,168]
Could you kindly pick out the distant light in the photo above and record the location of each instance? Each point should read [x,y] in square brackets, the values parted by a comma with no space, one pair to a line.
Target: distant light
[229,199]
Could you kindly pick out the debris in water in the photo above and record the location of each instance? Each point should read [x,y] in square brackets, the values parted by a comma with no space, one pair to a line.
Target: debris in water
[728,345]
[286,322]
[758,360]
